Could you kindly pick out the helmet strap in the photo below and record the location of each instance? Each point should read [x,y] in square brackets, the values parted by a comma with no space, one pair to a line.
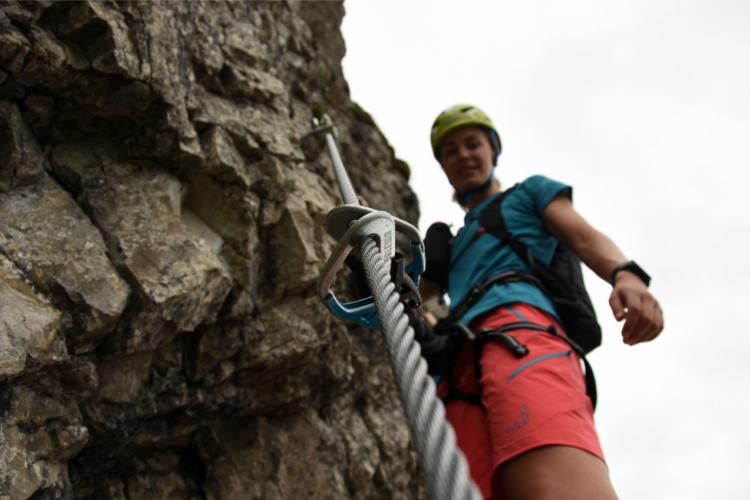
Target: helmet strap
[495,144]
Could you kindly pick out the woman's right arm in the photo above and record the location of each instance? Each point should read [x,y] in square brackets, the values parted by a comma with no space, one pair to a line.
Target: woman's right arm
[630,298]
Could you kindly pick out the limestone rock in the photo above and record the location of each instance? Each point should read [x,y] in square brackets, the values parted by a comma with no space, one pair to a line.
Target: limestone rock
[21,161]
[168,253]
[47,235]
[161,233]
[38,434]
[30,326]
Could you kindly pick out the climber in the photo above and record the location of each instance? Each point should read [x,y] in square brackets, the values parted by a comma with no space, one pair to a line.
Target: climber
[519,402]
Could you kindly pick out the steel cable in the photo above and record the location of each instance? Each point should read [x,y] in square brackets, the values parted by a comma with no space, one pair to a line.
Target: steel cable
[444,465]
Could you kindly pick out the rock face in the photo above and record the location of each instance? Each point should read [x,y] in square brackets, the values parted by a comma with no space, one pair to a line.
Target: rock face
[160,237]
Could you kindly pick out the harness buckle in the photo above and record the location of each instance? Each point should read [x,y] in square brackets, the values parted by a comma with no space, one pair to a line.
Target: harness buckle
[516,347]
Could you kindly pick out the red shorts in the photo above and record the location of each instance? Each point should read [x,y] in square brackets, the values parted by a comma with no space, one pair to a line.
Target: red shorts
[536,400]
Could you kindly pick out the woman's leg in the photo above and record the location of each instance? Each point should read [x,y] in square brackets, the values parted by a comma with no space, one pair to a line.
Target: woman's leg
[554,472]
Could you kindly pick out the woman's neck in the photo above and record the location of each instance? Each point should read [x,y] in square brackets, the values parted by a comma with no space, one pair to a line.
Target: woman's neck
[480,197]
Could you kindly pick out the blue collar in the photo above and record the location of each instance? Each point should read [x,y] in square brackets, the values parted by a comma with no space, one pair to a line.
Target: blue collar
[465,197]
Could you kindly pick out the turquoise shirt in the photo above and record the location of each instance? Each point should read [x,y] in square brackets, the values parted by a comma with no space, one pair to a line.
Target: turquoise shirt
[475,259]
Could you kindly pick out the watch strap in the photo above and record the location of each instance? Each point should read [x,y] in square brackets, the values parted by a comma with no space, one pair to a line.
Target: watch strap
[632,267]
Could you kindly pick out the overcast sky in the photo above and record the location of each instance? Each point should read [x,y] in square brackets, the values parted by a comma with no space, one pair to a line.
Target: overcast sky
[644,107]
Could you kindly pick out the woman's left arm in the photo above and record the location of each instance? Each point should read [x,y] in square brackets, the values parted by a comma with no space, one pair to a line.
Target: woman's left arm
[630,298]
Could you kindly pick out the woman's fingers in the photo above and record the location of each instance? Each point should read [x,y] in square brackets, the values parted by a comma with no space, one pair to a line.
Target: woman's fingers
[643,316]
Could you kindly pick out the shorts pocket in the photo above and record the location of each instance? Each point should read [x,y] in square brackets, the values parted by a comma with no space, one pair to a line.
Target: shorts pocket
[538,359]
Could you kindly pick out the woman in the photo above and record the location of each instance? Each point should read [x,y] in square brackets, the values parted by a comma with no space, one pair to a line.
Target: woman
[530,432]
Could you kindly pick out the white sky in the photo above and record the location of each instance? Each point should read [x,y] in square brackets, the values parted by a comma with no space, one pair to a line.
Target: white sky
[644,107]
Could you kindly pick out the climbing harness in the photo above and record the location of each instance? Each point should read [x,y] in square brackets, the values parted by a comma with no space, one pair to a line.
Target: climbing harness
[371,234]
[459,333]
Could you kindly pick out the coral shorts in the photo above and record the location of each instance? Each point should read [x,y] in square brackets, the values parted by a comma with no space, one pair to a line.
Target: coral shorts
[536,400]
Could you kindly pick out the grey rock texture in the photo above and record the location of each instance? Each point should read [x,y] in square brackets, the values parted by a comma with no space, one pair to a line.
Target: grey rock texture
[160,237]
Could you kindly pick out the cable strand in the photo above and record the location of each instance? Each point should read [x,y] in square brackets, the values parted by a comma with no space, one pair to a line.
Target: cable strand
[444,465]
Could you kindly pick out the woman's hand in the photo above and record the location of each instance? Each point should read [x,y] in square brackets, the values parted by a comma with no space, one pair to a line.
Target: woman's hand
[630,300]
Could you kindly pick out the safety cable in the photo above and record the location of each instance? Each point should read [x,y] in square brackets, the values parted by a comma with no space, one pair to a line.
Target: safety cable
[371,234]
[444,465]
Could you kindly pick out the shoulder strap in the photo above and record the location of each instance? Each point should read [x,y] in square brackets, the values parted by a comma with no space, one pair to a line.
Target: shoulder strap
[491,219]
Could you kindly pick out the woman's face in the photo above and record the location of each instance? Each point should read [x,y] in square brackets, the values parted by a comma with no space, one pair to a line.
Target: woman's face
[466,157]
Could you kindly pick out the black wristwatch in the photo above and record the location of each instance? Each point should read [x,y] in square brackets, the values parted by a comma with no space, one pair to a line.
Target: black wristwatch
[634,268]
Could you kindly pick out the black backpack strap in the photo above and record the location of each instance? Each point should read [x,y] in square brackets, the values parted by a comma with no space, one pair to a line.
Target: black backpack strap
[491,219]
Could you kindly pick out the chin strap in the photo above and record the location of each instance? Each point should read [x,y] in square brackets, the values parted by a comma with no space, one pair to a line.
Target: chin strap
[465,197]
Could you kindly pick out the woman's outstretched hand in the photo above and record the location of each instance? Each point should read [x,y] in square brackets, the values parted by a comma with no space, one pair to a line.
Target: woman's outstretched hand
[631,300]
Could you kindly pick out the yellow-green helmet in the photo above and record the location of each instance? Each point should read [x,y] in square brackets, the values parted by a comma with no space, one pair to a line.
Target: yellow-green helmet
[461,115]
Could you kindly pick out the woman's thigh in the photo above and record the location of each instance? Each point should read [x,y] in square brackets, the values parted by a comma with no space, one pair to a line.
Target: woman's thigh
[553,472]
